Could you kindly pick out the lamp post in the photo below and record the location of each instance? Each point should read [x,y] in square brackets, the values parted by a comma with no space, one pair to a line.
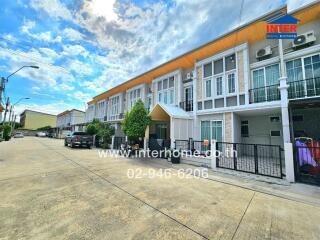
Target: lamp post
[3,82]
[13,117]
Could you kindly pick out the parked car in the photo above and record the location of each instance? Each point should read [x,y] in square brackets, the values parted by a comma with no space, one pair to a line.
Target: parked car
[18,135]
[40,134]
[78,139]
[51,135]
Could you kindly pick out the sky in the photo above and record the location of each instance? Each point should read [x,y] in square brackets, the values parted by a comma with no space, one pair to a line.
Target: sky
[85,47]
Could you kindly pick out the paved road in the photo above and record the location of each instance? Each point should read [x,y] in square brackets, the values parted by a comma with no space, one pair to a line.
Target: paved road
[48,191]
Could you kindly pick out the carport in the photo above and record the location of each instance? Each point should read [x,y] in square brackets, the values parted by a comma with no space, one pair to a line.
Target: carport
[305,134]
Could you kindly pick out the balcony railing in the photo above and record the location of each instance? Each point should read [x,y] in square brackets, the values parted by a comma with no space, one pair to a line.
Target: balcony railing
[187,105]
[116,117]
[264,94]
[304,88]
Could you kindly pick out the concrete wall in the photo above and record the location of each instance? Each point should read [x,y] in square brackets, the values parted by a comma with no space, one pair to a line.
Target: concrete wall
[35,120]
[259,130]
[182,128]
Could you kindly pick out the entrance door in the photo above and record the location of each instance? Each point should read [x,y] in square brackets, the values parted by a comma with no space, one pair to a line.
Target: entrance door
[161,131]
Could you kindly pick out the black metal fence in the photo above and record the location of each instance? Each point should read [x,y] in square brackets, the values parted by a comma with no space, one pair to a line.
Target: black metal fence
[259,159]
[187,105]
[264,94]
[307,159]
[304,88]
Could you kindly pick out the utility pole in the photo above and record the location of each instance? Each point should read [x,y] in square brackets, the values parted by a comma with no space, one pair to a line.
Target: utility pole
[10,112]
[2,84]
[6,110]
[13,123]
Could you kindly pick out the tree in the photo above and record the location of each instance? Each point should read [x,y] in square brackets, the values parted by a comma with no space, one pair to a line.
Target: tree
[103,131]
[6,130]
[136,121]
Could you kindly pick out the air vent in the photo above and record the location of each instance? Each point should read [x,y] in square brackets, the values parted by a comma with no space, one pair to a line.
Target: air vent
[304,39]
[264,52]
[189,75]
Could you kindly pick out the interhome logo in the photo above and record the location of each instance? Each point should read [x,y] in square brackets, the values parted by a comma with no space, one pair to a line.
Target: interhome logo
[284,27]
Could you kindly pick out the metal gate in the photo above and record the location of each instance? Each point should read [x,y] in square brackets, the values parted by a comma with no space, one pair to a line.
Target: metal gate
[159,145]
[118,141]
[258,159]
[307,163]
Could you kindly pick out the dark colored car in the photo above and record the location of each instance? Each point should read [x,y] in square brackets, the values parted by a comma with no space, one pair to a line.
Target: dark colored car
[78,139]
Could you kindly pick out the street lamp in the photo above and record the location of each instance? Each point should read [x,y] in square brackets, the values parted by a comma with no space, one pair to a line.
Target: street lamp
[24,98]
[26,66]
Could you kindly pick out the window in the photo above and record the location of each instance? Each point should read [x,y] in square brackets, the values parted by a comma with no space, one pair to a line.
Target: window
[115,105]
[244,129]
[166,90]
[312,66]
[294,70]
[207,70]
[272,75]
[231,83]
[211,130]
[230,62]
[275,133]
[208,88]
[218,66]
[219,86]
[134,96]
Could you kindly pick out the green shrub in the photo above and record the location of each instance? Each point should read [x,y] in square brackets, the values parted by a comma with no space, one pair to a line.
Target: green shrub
[6,129]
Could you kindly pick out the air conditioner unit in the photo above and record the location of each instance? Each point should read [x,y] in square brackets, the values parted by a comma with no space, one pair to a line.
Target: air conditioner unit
[264,52]
[304,39]
[189,75]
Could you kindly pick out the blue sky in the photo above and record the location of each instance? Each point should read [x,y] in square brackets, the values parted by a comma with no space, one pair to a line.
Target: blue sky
[84,47]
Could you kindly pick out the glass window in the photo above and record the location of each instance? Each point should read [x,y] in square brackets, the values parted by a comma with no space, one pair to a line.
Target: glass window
[230,62]
[205,130]
[272,75]
[231,83]
[244,129]
[165,97]
[159,97]
[219,86]
[258,78]
[208,88]
[159,85]
[218,66]
[294,70]
[207,70]
[312,66]
[171,82]
[171,101]
[165,83]
[217,130]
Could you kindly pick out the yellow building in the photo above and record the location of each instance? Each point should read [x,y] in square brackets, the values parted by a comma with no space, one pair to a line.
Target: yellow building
[33,120]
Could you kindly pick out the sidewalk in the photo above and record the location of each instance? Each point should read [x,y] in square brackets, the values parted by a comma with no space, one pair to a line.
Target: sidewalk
[277,187]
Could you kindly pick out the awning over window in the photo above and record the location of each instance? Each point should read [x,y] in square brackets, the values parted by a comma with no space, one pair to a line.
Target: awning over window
[162,112]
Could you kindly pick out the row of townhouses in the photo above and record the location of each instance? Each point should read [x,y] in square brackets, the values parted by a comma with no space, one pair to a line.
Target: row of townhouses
[239,88]
[69,121]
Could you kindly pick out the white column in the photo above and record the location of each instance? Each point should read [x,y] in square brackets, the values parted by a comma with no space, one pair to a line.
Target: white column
[112,142]
[145,142]
[213,154]
[288,151]
[180,86]
[246,74]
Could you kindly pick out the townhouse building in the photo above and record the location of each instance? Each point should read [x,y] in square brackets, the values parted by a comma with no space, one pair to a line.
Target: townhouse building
[33,120]
[239,88]
[70,121]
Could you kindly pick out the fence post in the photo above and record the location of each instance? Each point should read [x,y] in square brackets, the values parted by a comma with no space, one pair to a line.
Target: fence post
[213,155]
[190,144]
[234,148]
[145,142]
[112,142]
[255,153]
[288,158]
[126,140]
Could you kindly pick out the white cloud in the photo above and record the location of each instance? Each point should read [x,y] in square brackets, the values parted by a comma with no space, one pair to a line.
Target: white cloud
[79,68]
[102,8]
[74,50]
[72,34]
[54,8]
[294,4]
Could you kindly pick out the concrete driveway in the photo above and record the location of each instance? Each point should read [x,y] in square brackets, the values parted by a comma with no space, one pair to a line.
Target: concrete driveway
[48,191]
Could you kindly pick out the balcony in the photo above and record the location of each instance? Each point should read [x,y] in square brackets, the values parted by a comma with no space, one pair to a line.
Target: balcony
[187,105]
[304,88]
[264,94]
